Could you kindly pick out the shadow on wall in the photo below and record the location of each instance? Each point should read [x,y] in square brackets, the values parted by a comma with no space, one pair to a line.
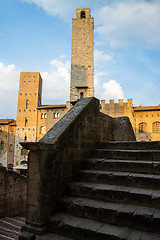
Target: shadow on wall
[7,142]
[79,82]
[13,193]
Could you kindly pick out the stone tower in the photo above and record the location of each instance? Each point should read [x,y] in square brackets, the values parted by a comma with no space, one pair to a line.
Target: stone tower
[29,99]
[82,58]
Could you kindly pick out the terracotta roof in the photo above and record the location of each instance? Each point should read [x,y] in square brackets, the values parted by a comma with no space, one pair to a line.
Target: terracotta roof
[147,108]
[6,121]
[51,106]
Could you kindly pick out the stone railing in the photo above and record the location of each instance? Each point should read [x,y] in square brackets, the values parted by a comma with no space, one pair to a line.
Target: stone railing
[53,160]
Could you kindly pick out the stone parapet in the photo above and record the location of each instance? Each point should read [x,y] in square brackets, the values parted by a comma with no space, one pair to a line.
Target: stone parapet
[13,188]
[56,158]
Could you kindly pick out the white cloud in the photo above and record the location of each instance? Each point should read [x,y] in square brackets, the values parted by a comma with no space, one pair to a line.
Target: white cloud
[107,90]
[65,9]
[56,82]
[100,56]
[9,78]
[112,90]
[124,22]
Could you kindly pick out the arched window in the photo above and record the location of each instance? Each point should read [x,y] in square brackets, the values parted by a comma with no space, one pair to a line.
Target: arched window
[156,127]
[56,114]
[2,146]
[26,120]
[27,103]
[1,129]
[42,115]
[24,151]
[45,115]
[81,95]
[24,163]
[10,166]
[142,127]
[83,14]
[43,130]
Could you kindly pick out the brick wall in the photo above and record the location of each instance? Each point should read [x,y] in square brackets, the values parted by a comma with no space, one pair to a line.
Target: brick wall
[13,188]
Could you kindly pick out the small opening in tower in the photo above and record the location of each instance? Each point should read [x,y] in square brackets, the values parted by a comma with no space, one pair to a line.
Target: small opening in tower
[27,103]
[83,14]
[81,95]
[26,120]
[25,138]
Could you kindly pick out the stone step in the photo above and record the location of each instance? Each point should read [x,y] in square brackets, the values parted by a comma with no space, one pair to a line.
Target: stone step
[51,236]
[128,179]
[113,213]
[154,145]
[86,229]
[152,167]
[146,155]
[113,193]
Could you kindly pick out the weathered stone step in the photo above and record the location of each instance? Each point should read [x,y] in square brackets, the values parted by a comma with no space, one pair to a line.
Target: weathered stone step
[113,213]
[154,145]
[152,167]
[113,193]
[86,229]
[128,179]
[51,236]
[146,155]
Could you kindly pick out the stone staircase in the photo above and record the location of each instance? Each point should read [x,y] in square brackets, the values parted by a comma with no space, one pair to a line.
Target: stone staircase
[116,196]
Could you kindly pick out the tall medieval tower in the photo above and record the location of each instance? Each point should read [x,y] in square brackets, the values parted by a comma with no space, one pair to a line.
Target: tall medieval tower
[29,99]
[82,58]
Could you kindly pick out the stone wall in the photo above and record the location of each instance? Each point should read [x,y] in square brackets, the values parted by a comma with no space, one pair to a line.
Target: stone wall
[12,193]
[122,129]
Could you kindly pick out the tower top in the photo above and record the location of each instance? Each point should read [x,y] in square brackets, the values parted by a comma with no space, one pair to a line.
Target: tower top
[83,13]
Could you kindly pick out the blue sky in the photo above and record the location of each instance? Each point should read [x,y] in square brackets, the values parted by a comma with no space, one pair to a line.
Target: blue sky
[35,35]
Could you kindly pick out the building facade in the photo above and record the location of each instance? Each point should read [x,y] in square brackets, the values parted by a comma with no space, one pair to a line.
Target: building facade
[7,142]
[35,119]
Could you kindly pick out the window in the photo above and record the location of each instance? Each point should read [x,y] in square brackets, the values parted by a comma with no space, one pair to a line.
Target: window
[10,166]
[42,115]
[2,146]
[142,127]
[81,95]
[25,138]
[45,115]
[27,103]
[43,130]
[156,127]
[56,114]
[26,120]
[83,14]
[23,162]
[1,129]
[24,151]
